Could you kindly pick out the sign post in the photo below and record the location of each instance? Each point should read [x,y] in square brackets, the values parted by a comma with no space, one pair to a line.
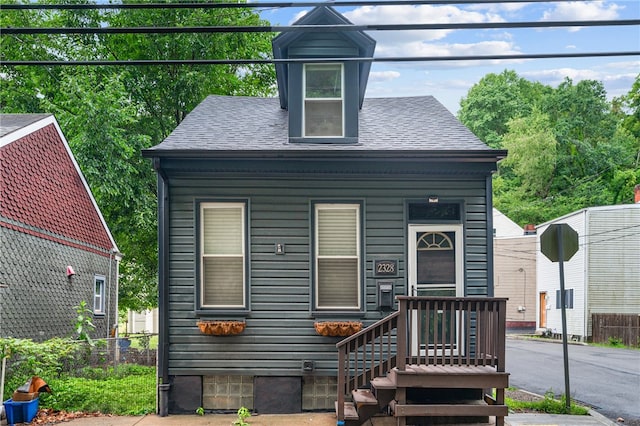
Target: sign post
[559,242]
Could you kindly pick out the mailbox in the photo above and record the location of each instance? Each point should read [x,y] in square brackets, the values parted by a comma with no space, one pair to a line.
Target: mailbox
[385,294]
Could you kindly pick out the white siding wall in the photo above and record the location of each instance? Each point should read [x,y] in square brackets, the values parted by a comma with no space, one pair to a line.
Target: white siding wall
[614,260]
[604,273]
[142,322]
[548,277]
[505,227]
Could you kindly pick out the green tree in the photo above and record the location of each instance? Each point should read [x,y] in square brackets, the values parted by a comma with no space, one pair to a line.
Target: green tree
[532,153]
[109,114]
[496,99]
[166,93]
[569,147]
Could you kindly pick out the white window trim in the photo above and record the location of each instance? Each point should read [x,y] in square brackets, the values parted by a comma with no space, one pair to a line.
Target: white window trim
[202,255]
[358,256]
[100,298]
[304,101]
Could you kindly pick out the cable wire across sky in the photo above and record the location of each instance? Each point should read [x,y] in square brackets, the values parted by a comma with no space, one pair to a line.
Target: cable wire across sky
[433,26]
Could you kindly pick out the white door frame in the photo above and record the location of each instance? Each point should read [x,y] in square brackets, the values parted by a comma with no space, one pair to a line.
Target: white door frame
[413,287]
[412,260]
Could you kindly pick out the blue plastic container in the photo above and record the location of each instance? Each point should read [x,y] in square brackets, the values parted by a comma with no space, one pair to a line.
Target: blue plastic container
[20,411]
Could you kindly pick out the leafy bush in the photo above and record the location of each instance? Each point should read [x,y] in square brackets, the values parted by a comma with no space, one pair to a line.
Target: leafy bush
[615,341]
[27,358]
[83,325]
[126,390]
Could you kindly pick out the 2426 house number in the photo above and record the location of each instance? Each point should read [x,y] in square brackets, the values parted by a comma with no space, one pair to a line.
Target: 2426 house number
[385,267]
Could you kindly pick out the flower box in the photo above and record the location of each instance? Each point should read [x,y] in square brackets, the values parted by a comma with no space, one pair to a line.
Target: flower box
[337,328]
[221,327]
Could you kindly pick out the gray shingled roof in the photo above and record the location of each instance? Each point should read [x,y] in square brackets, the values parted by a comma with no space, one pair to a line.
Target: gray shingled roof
[9,123]
[232,123]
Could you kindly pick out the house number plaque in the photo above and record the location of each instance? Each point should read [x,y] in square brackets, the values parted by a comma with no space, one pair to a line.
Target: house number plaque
[385,268]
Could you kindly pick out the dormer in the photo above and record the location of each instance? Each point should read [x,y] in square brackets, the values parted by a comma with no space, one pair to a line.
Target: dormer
[323,98]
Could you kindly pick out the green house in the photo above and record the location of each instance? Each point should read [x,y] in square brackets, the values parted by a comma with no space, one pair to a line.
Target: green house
[316,208]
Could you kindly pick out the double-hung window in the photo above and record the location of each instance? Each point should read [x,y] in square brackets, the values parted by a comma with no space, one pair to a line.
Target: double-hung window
[323,100]
[337,256]
[222,255]
[99,295]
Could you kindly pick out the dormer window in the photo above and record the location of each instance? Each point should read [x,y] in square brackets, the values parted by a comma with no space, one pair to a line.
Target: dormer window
[323,100]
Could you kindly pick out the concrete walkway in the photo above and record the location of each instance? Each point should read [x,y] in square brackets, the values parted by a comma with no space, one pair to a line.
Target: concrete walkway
[320,419]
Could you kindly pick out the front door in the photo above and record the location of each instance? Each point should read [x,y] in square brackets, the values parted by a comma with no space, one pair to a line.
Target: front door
[543,309]
[436,265]
[436,268]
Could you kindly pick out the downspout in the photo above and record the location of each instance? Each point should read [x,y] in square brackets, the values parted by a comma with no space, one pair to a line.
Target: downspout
[111,252]
[163,301]
[3,368]
[117,257]
[490,271]
[586,310]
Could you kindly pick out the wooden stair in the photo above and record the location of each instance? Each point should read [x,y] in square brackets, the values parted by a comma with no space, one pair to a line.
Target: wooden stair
[438,369]
[437,392]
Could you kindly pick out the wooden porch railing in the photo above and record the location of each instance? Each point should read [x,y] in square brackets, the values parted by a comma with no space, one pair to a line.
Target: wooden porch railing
[467,331]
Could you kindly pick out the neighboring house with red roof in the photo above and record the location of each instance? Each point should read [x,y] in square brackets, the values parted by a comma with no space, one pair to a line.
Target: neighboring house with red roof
[57,250]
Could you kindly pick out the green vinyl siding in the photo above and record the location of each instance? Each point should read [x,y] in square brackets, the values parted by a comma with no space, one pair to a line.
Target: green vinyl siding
[279,334]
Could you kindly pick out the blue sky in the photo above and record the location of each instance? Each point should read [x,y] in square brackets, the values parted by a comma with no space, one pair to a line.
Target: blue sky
[450,81]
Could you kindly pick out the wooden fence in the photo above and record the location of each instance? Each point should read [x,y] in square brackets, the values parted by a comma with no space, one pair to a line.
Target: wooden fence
[624,327]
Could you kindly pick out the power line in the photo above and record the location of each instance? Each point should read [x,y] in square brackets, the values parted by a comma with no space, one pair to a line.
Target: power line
[587,240]
[34,6]
[319,28]
[137,62]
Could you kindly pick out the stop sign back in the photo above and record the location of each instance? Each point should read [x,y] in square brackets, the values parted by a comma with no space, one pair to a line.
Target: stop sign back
[555,234]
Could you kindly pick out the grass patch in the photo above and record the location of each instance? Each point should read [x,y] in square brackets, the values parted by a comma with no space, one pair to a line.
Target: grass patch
[549,404]
[126,390]
[143,341]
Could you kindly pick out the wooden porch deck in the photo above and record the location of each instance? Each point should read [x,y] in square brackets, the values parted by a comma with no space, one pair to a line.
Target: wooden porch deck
[433,358]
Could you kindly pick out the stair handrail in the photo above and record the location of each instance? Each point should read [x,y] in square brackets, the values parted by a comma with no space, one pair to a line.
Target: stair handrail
[351,345]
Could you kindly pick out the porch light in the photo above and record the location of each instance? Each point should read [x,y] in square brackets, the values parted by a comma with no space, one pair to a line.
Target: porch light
[433,198]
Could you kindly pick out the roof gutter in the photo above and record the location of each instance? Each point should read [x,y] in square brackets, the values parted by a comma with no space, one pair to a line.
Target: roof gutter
[336,155]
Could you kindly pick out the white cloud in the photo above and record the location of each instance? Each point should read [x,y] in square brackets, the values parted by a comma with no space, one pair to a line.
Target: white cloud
[555,76]
[401,14]
[419,49]
[298,16]
[424,43]
[377,76]
[416,14]
[617,78]
[632,67]
[582,11]
[508,8]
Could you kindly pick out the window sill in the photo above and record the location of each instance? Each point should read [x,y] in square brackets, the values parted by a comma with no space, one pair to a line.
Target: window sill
[336,140]
[338,314]
[221,314]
